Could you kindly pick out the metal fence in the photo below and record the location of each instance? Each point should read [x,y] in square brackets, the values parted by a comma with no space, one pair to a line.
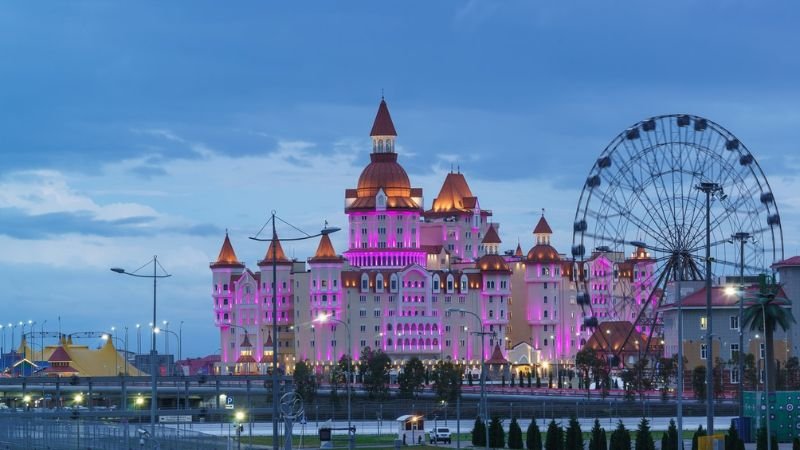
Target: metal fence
[18,432]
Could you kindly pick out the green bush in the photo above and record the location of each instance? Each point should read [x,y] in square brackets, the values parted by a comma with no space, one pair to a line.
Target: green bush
[574,434]
[620,438]
[555,437]
[697,434]
[514,435]
[478,433]
[497,436]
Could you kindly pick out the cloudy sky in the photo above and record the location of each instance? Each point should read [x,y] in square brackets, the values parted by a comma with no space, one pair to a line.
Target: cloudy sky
[130,129]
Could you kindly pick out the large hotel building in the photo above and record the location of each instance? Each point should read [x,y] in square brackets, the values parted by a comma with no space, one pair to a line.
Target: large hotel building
[405,277]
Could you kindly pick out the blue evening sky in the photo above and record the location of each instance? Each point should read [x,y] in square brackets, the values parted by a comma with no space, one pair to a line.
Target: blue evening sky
[130,129]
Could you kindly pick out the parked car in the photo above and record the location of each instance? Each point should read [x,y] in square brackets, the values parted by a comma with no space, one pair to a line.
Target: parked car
[439,434]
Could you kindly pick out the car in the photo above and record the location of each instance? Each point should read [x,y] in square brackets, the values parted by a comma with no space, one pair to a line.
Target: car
[439,434]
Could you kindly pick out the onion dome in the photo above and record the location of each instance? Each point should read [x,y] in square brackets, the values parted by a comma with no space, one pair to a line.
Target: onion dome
[227,257]
[325,252]
[542,253]
[280,256]
[491,236]
[492,263]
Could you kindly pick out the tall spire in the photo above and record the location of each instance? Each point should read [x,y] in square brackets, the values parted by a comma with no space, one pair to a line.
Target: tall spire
[383,133]
[383,125]
[542,231]
[325,251]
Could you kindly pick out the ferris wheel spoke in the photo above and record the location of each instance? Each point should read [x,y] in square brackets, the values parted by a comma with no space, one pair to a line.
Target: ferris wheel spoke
[641,224]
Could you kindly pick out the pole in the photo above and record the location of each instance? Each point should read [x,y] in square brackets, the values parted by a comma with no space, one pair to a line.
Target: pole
[274,335]
[742,238]
[680,351]
[483,385]
[350,432]
[709,188]
[153,358]
[766,375]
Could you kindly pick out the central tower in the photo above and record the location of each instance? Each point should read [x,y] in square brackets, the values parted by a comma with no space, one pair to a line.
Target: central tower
[384,210]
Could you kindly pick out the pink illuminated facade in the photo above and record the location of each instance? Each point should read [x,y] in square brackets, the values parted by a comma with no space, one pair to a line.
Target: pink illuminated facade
[408,282]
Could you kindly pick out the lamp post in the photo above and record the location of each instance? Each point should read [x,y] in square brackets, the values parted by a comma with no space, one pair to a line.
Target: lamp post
[766,374]
[322,319]
[742,237]
[166,338]
[709,188]
[138,339]
[3,346]
[12,326]
[274,241]
[483,369]
[153,352]
[679,300]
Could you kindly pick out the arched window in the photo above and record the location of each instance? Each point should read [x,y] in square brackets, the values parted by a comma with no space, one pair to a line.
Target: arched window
[427,328]
[364,282]
[428,342]
[407,342]
[450,282]
[414,342]
[388,327]
[435,328]
[389,342]
[545,314]
[407,327]
[464,284]
[379,283]
[413,327]
[380,145]
[394,282]
[435,342]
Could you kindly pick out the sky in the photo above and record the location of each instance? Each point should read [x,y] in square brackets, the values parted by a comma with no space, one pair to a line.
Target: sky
[133,129]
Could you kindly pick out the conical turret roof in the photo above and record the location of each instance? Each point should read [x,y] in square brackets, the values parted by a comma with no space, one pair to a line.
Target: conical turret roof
[542,227]
[325,251]
[491,236]
[227,256]
[383,125]
[280,256]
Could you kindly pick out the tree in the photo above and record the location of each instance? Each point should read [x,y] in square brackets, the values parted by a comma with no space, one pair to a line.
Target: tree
[478,433]
[586,361]
[628,384]
[497,436]
[696,437]
[515,435]
[768,310]
[305,381]
[410,382]
[511,383]
[667,370]
[761,440]
[732,440]
[574,438]
[620,438]
[533,438]
[699,382]
[446,381]
[530,379]
[555,437]
[644,440]
[469,377]
[669,441]
[750,375]
[796,444]
[376,372]
[598,439]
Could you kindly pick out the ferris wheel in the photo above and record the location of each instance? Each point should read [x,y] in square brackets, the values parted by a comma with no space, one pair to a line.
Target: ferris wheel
[643,211]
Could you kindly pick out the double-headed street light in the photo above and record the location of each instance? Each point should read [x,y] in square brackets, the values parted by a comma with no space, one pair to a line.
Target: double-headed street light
[483,334]
[322,319]
[274,241]
[166,338]
[153,352]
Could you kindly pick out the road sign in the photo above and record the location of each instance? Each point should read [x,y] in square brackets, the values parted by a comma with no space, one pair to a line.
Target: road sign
[229,402]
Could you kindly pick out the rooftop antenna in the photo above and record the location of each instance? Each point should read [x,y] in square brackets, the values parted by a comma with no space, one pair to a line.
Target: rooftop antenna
[381,93]
[542,212]
[458,167]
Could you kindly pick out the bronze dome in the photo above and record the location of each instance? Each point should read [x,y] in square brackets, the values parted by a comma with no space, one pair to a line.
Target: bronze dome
[383,172]
[543,253]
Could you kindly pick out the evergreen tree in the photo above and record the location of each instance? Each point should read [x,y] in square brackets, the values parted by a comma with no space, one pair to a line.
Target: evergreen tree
[497,436]
[669,441]
[796,444]
[644,440]
[761,440]
[574,434]
[555,437]
[620,438]
[515,435]
[598,439]
[478,433]
[732,440]
[512,380]
[695,437]
[533,439]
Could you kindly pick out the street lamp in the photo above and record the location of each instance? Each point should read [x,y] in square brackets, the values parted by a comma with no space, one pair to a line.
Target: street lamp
[239,416]
[322,318]
[483,368]
[710,189]
[166,338]
[274,242]
[742,237]
[153,352]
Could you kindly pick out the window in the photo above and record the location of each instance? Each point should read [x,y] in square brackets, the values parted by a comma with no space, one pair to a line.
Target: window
[703,351]
[734,322]
[545,342]
[362,313]
[762,350]
[545,299]
[735,352]
[735,375]
[703,323]
[545,328]
[545,314]
[363,343]
[545,285]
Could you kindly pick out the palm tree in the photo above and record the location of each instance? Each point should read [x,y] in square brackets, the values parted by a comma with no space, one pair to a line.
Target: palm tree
[768,308]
